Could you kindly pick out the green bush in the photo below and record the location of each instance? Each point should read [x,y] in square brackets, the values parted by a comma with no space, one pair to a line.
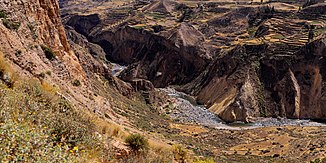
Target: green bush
[76,83]
[49,54]
[3,14]
[48,72]
[42,75]
[180,154]
[11,25]
[18,53]
[137,142]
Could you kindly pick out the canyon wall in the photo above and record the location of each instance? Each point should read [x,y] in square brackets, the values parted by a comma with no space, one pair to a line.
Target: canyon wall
[246,83]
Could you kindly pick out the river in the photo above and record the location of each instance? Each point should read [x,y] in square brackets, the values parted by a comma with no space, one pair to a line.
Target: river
[117,69]
[188,111]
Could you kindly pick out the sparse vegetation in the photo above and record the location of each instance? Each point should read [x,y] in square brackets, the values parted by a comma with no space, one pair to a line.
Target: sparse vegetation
[137,142]
[110,130]
[319,160]
[10,24]
[42,75]
[164,152]
[44,126]
[37,125]
[49,54]
[32,28]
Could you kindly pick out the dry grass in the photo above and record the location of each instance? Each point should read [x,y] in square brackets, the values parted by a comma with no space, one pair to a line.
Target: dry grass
[180,153]
[38,125]
[161,151]
[7,74]
[107,129]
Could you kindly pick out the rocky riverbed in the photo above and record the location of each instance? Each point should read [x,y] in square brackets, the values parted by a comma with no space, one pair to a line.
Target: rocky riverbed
[186,110]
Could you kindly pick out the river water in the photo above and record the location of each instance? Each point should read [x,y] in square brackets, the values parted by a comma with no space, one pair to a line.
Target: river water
[117,69]
[188,111]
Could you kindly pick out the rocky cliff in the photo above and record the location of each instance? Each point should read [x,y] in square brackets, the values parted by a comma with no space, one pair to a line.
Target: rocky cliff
[34,40]
[38,24]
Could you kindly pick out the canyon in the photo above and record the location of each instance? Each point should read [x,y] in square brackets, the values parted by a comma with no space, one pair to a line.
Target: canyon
[276,72]
[235,81]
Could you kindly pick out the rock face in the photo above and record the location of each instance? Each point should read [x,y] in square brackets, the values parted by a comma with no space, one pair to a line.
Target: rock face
[84,24]
[93,63]
[229,85]
[308,80]
[188,36]
[160,61]
[39,23]
[155,58]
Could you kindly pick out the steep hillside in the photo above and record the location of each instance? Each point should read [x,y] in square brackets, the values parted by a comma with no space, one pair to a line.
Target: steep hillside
[62,91]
